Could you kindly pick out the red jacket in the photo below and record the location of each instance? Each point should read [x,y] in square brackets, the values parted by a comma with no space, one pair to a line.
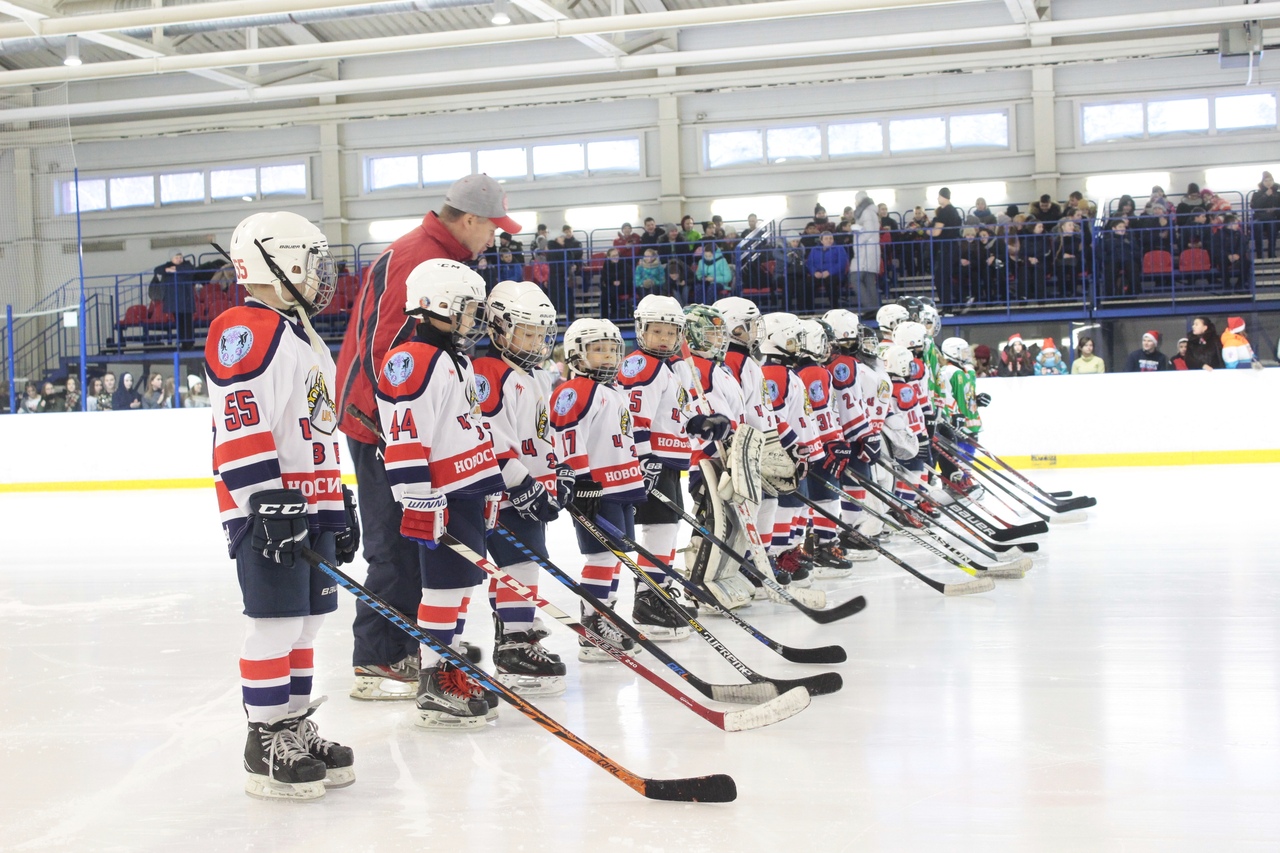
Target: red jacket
[378,322]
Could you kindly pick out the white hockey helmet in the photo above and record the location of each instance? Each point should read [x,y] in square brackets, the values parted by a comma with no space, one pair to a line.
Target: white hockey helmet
[889,316]
[910,335]
[285,251]
[929,319]
[780,334]
[590,339]
[449,291]
[522,322]
[742,317]
[658,309]
[844,326]
[897,360]
[706,332]
[813,342]
[956,351]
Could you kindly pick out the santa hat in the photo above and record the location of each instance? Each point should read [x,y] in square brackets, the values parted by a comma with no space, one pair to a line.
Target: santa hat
[1048,344]
[1015,338]
[1235,324]
[1153,334]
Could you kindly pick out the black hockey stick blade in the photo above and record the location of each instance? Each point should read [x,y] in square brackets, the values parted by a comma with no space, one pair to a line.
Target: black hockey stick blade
[1082,502]
[821,654]
[854,605]
[1066,493]
[818,685]
[718,788]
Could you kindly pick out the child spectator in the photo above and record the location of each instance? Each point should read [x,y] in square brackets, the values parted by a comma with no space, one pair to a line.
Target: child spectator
[1015,360]
[106,400]
[52,400]
[153,393]
[982,361]
[1148,358]
[1087,362]
[1227,249]
[677,281]
[1179,361]
[196,397]
[1049,362]
[826,266]
[1204,348]
[1236,350]
[95,391]
[649,274]
[539,271]
[32,402]
[125,397]
[613,278]
[713,277]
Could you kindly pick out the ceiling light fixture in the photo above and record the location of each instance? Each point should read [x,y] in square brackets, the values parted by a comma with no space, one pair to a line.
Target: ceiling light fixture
[73,51]
[500,17]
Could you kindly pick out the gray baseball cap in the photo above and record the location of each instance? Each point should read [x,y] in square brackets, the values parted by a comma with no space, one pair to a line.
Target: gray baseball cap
[481,195]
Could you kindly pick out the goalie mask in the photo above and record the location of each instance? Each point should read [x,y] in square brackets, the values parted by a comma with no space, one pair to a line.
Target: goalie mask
[284,251]
[451,292]
[593,348]
[868,343]
[522,322]
[659,322]
[706,332]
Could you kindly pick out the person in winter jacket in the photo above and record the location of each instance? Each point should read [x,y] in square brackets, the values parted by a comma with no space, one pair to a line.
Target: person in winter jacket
[1190,202]
[1016,360]
[865,269]
[982,361]
[1204,349]
[1179,361]
[1086,362]
[1049,362]
[826,266]
[713,277]
[1265,204]
[1148,358]
[1236,350]
[650,274]
[1226,246]
[1121,259]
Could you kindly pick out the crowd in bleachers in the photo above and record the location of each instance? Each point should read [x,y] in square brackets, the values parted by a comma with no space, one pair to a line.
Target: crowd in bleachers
[107,392]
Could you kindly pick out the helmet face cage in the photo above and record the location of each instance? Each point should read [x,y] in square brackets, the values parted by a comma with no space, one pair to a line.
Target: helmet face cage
[643,328]
[957,351]
[466,310]
[812,341]
[889,316]
[897,360]
[540,339]
[868,342]
[912,305]
[602,373]
[929,319]
[319,279]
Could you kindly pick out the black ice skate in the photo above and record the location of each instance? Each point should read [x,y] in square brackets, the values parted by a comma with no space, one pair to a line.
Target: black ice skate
[856,549]
[607,631]
[526,667]
[278,765]
[829,560]
[656,619]
[339,760]
[448,699]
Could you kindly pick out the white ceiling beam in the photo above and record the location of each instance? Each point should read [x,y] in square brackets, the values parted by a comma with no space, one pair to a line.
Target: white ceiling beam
[546,12]
[297,34]
[650,5]
[1024,11]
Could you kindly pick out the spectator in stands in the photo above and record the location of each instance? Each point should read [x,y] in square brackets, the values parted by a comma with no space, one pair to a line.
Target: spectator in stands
[1046,210]
[1204,347]
[508,242]
[1016,360]
[677,281]
[613,278]
[629,248]
[1179,361]
[753,222]
[826,266]
[95,390]
[53,401]
[32,402]
[946,225]
[972,266]
[488,271]
[1236,349]
[541,238]
[676,249]
[1087,362]
[1075,201]
[223,278]
[1126,211]
[914,237]
[509,269]
[176,280]
[713,277]
[992,279]
[982,213]
[1048,361]
[649,275]
[1191,203]
[1157,199]
[153,392]
[125,397]
[564,255]
[1154,229]
[1018,269]
[653,235]
[1228,252]
[1038,249]
[689,235]
[982,361]
[4,397]
[820,220]
[846,215]
[1265,204]
[196,398]
[538,271]
[844,233]
[865,268]
[1010,213]
[106,400]
[1069,258]
[730,241]
[1121,259]
[1148,358]
[714,229]
[71,396]
[1195,233]
[1215,204]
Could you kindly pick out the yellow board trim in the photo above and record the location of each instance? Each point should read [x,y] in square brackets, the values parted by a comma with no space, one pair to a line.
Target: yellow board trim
[1129,460]
[123,485]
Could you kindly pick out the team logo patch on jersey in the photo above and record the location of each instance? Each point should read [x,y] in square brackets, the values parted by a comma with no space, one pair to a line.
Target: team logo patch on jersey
[841,373]
[542,422]
[682,397]
[482,388]
[883,390]
[908,394]
[770,390]
[234,345]
[399,368]
[816,394]
[565,401]
[625,422]
[633,365]
[323,415]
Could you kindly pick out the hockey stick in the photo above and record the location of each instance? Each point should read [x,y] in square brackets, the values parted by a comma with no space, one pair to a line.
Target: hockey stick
[850,607]
[996,487]
[717,788]
[982,584]
[818,685]
[824,654]
[955,558]
[972,444]
[775,710]
[1025,496]
[742,694]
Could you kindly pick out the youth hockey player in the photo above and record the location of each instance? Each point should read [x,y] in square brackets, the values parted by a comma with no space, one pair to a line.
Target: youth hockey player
[849,397]
[903,426]
[441,467]
[888,318]
[876,389]
[912,336]
[663,422]
[279,488]
[513,396]
[960,404]
[594,433]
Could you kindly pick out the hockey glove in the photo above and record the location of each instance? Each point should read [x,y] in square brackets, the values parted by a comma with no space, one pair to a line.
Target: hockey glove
[347,543]
[587,494]
[839,454]
[278,519]
[983,399]
[651,468]
[958,422]
[425,517]
[531,500]
[564,485]
[948,432]
[709,427]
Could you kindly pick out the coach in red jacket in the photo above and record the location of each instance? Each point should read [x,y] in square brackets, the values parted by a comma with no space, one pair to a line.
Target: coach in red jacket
[474,208]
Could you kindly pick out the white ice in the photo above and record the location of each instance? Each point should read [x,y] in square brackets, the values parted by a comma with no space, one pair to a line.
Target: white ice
[1125,695]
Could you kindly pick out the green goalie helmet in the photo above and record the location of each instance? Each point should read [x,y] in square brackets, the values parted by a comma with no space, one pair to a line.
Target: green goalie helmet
[706,331]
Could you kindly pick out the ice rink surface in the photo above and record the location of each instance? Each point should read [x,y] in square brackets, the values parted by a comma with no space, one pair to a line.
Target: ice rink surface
[1123,696]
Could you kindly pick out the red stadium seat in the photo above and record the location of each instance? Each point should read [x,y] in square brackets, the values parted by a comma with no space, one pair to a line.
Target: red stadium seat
[1194,260]
[1158,262]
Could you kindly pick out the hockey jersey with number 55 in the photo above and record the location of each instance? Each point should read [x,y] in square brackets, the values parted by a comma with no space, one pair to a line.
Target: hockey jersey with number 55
[274,420]
[435,436]
[658,405]
[595,437]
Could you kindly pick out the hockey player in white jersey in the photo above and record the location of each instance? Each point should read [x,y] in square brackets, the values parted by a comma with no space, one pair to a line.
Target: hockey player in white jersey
[848,392]
[912,336]
[441,468]
[513,396]
[888,318]
[595,437]
[875,387]
[663,422]
[279,487]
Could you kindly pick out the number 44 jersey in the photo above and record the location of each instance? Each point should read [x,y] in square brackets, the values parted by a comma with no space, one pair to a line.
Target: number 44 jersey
[274,420]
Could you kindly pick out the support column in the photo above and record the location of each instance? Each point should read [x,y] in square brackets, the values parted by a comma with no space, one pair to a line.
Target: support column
[1046,136]
[671,198]
[333,220]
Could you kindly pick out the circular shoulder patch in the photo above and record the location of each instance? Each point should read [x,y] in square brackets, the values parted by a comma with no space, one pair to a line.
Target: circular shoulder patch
[816,394]
[841,372]
[482,388]
[234,345]
[908,394]
[771,389]
[398,368]
[633,365]
[565,401]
